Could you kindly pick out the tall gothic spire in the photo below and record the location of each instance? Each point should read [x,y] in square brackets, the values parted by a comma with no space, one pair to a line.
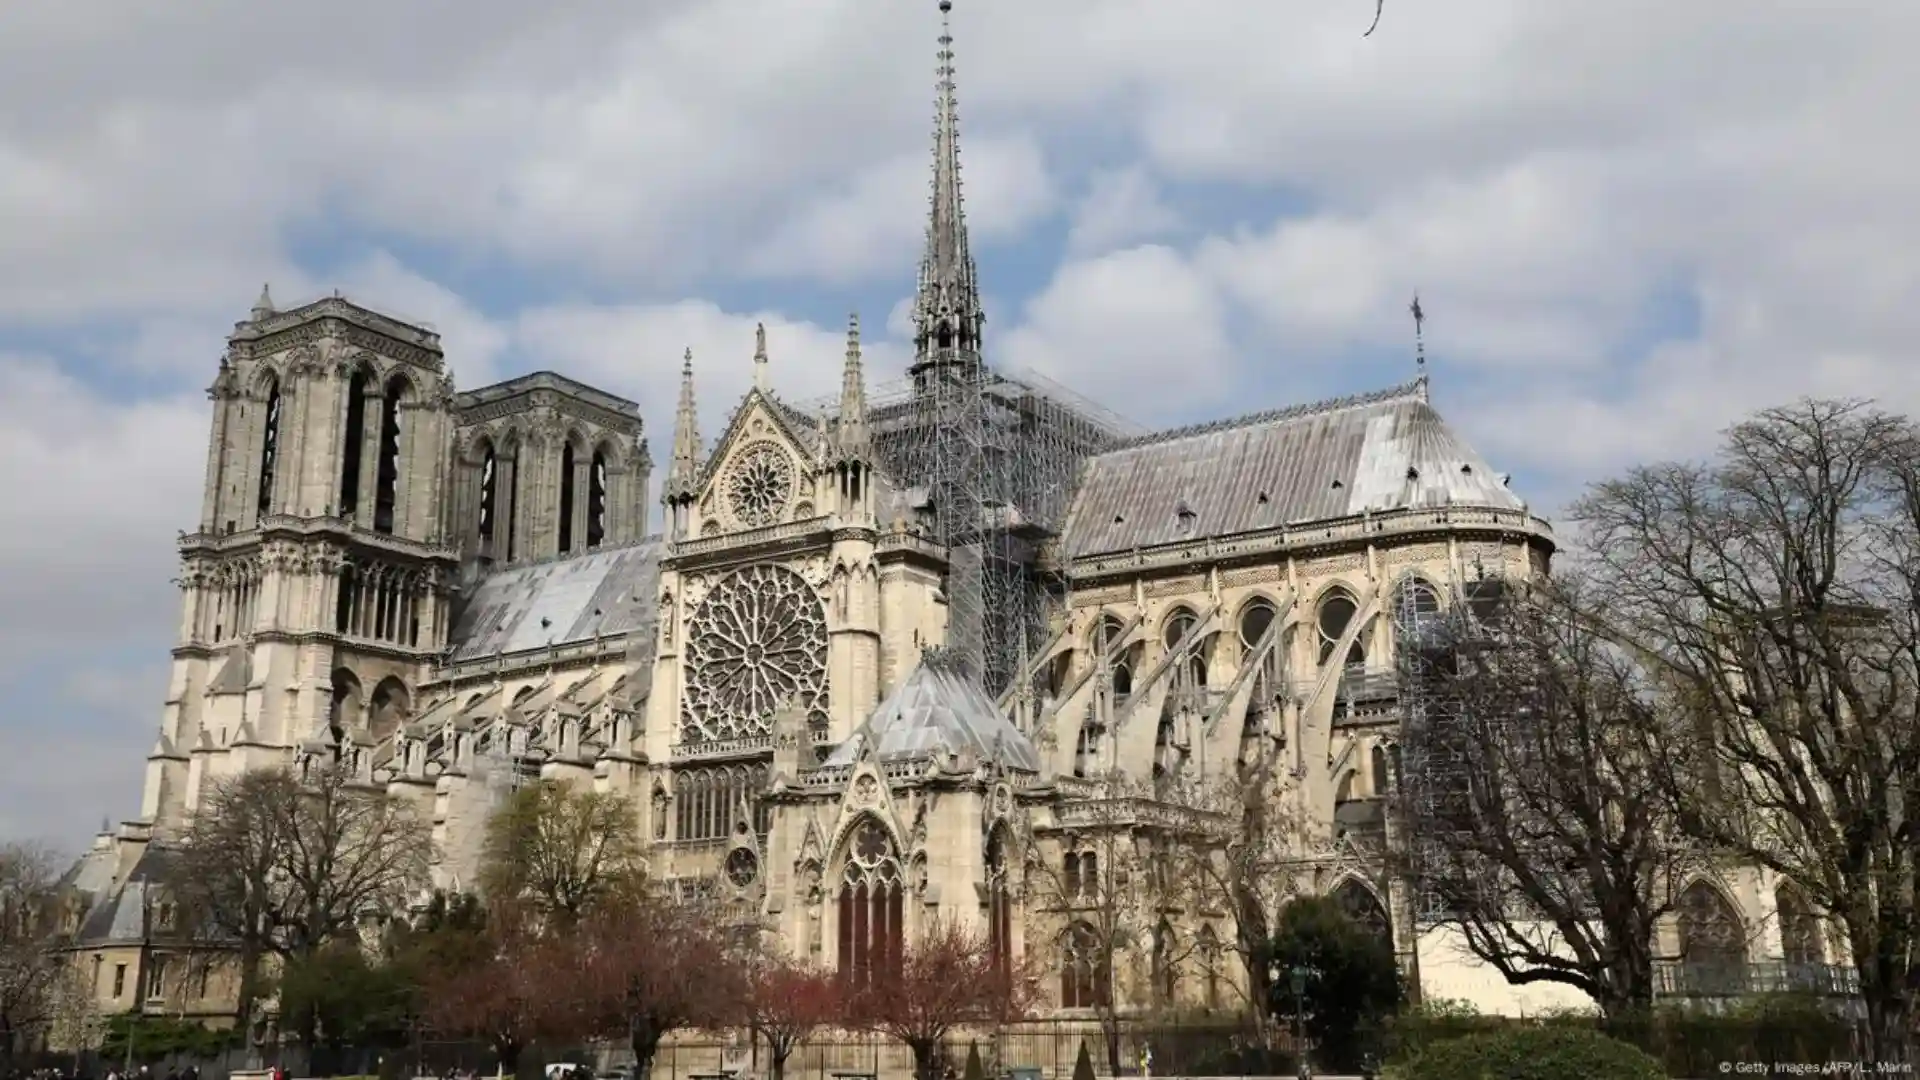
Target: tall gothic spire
[683,471]
[947,316]
[852,432]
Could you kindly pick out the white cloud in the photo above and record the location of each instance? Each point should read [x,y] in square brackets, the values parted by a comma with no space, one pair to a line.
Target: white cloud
[875,221]
[1121,206]
[1128,328]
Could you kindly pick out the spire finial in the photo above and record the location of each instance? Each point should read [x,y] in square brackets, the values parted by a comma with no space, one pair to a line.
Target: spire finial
[947,315]
[683,470]
[1419,342]
[263,307]
[1419,336]
[760,356]
[852,430]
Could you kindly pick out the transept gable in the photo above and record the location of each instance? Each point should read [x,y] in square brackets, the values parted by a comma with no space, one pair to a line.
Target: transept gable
[867,797]
[760,470]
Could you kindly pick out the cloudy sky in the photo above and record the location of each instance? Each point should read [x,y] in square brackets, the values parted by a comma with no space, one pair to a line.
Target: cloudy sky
[1628,220]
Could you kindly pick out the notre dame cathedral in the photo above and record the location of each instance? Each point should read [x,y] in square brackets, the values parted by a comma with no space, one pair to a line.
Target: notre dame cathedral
[867,644]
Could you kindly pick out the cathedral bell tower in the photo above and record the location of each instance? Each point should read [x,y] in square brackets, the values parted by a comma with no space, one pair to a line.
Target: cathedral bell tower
[315,590]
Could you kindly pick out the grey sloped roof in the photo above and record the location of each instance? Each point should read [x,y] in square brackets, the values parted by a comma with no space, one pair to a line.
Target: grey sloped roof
[605,593]
[1387,450]
[934,710]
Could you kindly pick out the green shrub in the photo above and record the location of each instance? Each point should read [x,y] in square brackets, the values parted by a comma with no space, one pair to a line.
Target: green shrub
[1556,1052]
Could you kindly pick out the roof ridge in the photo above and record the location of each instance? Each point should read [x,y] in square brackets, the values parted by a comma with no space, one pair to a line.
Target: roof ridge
[1409,389]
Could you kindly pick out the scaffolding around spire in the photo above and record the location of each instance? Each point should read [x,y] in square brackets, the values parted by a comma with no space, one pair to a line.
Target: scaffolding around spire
[947,315]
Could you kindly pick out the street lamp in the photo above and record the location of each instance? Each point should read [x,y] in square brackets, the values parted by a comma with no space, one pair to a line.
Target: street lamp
[1300,1020]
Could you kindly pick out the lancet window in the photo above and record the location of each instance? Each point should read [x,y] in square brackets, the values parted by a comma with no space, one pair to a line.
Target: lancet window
[229,603]
[353,443]
[999,904]
[1713,951]
[1337,613]
[379,603]
[489,497]
[386,500]
[269,445]
[566,496]
[597,500]
[872,905]
[707,799]
[1192,672]
[1086,971]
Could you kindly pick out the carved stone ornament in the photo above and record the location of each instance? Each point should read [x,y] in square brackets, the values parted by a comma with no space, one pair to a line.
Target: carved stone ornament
[757,642]
[1002,800]
[759,484]
[866,791]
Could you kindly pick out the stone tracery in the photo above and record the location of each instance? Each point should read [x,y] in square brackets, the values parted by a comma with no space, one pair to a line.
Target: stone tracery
[755,643]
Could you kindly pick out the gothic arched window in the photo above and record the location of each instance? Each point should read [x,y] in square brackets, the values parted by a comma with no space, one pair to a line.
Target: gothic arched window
[1713,951]
[872,904]
[353,443]
[1106,638]
[1337,613]
[597,500]
[1194,668]
[1086,975]
[1799,931]
[1362,906]
[1255,618]
[489,496]
[1165,970]
[999,904]
[269,445]
[386,499]
[566,496]
[1210,966]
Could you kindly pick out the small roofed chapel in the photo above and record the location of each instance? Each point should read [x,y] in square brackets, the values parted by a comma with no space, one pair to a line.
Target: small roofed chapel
[870,665]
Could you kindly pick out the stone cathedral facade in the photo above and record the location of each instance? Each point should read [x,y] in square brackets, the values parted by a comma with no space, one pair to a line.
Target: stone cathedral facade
[457,591]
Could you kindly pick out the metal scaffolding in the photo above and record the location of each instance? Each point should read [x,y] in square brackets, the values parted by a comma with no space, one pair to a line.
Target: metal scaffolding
[995,455]
[1437,724]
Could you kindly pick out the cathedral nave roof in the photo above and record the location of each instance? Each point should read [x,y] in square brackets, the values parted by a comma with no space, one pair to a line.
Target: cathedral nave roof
[1389,450]
[604,593]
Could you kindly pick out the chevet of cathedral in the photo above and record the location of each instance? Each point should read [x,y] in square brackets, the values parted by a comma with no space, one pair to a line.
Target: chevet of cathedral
[874,663]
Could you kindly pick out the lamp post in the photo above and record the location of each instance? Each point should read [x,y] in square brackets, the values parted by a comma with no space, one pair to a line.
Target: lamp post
[1300,1020]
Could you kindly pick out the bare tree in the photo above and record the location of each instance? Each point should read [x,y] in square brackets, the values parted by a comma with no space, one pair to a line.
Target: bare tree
[652,966]
[787,1001]
[948,978]
[1539,831]
[280,865]
[1780,586]
[561,851]
[30,969]
[1127,862]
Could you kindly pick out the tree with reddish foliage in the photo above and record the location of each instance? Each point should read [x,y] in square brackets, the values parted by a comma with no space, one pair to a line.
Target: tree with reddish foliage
[787,1001]
[514,989]
[948,979]
[648,969]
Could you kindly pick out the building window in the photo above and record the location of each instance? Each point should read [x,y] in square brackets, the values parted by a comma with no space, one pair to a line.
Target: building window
[872,905]
[566,497]
[1082,875]
[269,446]
[1165,971]
[119,980]
[157,977]
[597,500]
[1337,612]
[999,905]
[1209,948]
[1086,976]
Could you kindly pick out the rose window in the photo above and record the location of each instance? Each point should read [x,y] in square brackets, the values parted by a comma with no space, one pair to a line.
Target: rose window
[755,644]
[742,868]
[760,485]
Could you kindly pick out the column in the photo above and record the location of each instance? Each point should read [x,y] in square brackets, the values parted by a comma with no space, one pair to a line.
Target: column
[372,419]
[582,498]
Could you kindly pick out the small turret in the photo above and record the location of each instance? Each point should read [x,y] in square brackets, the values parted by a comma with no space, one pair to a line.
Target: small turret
[263,308]
[852,439]
[683,472]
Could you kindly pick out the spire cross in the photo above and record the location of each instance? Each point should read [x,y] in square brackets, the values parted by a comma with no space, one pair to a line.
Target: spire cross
[1419,337]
